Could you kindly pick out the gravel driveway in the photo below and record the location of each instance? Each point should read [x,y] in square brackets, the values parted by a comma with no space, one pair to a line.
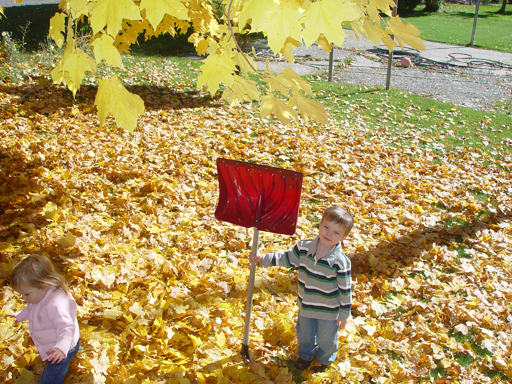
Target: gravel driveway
[475,89]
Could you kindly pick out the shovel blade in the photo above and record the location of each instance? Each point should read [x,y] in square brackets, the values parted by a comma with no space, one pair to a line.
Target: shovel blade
[253,195]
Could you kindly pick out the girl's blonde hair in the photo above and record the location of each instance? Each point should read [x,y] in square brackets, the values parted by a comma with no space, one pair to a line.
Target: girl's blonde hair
[37,271]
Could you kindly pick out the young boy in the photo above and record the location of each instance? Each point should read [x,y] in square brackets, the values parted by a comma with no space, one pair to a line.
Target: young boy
[324,294]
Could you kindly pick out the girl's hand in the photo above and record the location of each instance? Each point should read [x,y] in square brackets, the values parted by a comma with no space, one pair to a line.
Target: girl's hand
[55,356]
[10,315]
[341,324]
[256,258]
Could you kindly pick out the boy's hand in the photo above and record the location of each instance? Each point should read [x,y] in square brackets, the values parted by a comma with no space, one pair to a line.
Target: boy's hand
[341,324]
[55,356]
[256,258]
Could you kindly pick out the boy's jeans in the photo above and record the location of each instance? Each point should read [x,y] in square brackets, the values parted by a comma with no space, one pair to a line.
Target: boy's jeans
[317,336]
[55,373]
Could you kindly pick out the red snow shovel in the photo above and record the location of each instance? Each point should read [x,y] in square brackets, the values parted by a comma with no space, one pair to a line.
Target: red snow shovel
[265,198]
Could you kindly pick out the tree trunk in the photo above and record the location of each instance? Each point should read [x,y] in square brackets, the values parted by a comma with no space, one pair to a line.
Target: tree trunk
[502,9]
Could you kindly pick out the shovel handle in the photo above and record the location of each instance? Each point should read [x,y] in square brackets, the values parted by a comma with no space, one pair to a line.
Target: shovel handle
[250,292]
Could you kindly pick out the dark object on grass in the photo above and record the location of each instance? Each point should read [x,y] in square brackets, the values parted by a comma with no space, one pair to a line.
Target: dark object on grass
[433,5]
[301,364]
[407,6]
[319,368]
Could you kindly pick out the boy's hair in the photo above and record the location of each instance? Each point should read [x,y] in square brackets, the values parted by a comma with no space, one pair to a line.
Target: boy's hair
[37,271]
[341,216]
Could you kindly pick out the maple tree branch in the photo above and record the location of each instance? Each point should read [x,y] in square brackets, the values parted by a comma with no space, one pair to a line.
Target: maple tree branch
[230,27]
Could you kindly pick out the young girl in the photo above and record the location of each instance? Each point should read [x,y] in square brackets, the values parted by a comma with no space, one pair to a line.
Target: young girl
[51,314]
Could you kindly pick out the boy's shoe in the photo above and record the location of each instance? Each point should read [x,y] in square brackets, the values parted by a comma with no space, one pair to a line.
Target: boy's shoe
[301,363]
[319,368]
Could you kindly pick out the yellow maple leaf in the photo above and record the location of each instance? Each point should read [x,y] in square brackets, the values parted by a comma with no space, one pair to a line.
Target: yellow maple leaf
[112,313]
[287,51]
[257,368]
[329,14]
[246,63]
[137,310]
[405,33]
[75,67]
[68,240]
[220,339]
[112,97]
[202,46]
[57,27]
[269,104]
[216,69]
[133,29]
[156,9]
[323,43]
[295,81]
[155,229]
[72,67]
[275,84]
[107,278]
[413,284]
[111,13]
[196,341]
[373,32]
[283,25]
[180,309]
[384,6]
[51,211]
[26,377]
[258,11]
[378,308]
[104,49]
[374,16]
[78,7]
[241,90]
[310,108]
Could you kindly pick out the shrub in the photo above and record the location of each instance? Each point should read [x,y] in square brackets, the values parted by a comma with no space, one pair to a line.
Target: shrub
[433,5]
[407,6]
[10,49]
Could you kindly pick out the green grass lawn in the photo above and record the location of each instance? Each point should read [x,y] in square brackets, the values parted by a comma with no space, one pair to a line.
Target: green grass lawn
[454,25]
[425,124]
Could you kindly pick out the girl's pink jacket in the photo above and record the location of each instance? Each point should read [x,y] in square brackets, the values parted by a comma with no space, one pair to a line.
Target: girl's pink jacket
[52,322]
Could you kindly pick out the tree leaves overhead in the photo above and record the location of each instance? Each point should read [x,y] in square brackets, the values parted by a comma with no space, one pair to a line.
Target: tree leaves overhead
[113,98]
[117,24]
[104,50]
[217,69]
[331,13]
[405,33]
[282,24]
[110,14]
[72,67]
[157,9]
[57,28]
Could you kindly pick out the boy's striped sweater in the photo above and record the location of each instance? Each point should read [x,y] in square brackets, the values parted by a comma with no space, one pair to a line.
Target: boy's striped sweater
[325,286]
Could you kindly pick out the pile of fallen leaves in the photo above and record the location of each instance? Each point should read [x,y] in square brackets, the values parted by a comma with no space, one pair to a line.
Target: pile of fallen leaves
[161,284]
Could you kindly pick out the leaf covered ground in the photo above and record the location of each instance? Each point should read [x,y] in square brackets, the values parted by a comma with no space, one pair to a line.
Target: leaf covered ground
[161,284]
